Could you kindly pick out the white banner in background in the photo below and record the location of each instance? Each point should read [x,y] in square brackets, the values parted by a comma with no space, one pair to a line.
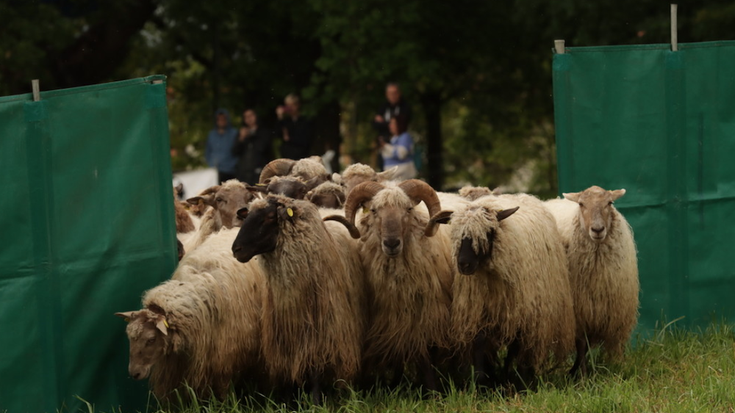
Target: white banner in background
[196,181]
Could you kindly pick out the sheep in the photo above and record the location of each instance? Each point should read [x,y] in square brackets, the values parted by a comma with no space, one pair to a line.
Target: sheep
[409,275]
[290,186]
[313,302]
[603,269]
[224,201]
[358,173]
[305,169]
[474,192]
[327,195]
[512,286]
[201,327]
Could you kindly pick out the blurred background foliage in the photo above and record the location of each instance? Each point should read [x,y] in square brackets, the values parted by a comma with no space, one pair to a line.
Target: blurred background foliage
[478,74]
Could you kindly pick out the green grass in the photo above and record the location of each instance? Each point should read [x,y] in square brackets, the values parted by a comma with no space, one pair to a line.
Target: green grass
[672,371]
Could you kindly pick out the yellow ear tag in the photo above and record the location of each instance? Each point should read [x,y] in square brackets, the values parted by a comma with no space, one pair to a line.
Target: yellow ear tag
[165,323]
[289,211]
[364,210]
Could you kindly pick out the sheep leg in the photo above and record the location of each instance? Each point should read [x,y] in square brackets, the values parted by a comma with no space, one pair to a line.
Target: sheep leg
[316,391]
[580,363]
[482,364]
[397,376]
[427,369]
[513,349]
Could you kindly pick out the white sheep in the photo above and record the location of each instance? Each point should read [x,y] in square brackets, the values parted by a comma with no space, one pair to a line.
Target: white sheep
[305,169]
[202,327]
[603,270]
[512,286]
[313,304]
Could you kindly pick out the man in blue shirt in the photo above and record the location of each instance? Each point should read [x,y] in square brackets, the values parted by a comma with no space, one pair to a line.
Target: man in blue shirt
[220,141]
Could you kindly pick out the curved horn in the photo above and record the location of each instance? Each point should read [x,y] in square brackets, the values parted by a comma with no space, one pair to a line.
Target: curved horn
[359,194]
[354,232]
[277,167]
[421,191]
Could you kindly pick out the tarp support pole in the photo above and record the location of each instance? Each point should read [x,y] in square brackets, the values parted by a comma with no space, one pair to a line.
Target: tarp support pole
[36,90]
[674,32]
[559,46]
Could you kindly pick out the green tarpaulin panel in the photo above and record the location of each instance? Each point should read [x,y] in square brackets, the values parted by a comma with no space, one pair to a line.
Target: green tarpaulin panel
[87,226]
[660,124]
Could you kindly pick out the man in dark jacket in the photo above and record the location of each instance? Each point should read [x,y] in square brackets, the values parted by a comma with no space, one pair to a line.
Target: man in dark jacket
[296,130]
[395,105]
[253,147]
[220,140]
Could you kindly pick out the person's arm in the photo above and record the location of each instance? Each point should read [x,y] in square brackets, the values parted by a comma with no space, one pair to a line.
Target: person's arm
[400,150]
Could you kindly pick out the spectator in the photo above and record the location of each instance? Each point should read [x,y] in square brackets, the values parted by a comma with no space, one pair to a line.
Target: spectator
[399,150]
[253,148]
[394,106]
[296,130]
[220,140]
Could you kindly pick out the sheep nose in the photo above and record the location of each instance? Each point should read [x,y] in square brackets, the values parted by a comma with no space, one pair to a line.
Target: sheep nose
[236,248]
[136,375]
[598,230]
[392,243]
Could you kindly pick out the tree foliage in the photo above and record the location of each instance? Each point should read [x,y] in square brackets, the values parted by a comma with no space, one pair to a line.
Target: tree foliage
[477,73]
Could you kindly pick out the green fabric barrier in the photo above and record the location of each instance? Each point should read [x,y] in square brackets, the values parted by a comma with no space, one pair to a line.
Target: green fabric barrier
[87,225]
[660,124]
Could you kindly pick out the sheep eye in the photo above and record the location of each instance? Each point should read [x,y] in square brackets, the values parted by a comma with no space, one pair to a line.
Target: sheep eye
[150,341]
[220,199]
[410,209]
[581,205]
[610,203]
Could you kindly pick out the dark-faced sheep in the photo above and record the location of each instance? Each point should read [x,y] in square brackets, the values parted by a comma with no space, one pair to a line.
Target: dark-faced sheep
[409,275]
[512,287]
[603,269]
[313,304]
[202,327]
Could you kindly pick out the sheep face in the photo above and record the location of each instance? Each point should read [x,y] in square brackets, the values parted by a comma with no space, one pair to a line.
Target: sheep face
[473,234]
[390,213]
[226,199]
[260,228]
[148,335]
[596,210]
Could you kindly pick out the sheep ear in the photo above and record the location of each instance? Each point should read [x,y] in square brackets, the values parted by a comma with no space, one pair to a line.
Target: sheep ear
[286,213]
[242,213]
[202,199]
[127,316]
[617,194]
[572,196]
[506,213]
[162,325]
[441,217]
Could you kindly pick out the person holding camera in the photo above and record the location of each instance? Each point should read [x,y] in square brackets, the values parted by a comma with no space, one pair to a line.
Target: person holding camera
[394,105]
[296,130]
[253,148]
[398,151]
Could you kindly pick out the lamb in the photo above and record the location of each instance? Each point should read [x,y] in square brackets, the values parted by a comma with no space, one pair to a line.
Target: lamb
[513,289]
[225,200]
[603,270]
[200,328]
[409,275]
[305,169]
[313,302]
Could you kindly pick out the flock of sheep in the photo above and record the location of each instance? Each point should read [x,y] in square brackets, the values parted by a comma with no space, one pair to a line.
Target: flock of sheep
[312,280]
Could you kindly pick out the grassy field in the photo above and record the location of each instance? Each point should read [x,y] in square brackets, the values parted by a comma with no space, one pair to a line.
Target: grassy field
[672,371]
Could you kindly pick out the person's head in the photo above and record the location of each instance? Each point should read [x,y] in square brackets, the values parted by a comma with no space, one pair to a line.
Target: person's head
[393,93]
[221,119]
[292,102]
[249,118]
[398,124]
